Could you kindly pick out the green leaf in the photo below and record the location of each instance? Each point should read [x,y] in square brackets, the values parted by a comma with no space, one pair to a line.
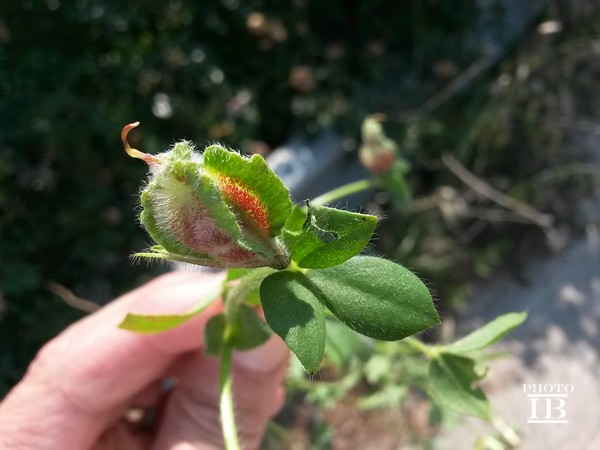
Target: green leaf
[255,177]
[151,324]
[213,334]
[296,219]
[390,396]
[327,236]
[293,311]
[442,418]
[376,297]
[250,331]
[378,369]
[486,335]
[451,378]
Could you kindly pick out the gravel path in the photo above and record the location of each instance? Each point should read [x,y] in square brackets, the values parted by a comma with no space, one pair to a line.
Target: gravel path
[558,344]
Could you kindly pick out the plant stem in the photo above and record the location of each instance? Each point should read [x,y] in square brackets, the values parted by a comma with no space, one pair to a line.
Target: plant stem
[345,190]
[226,397]
[427,350]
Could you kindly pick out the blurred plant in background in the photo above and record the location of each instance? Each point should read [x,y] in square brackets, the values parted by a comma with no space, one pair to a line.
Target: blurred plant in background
[381,156]
[71,74]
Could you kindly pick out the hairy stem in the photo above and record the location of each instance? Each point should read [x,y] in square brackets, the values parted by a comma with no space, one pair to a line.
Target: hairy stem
[416,344]
[344,191]
[230,435]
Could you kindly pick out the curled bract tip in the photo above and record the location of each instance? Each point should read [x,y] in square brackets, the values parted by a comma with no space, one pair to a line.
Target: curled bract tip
[148,159]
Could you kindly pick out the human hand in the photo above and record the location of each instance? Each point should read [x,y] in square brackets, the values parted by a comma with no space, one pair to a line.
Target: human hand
[81,385]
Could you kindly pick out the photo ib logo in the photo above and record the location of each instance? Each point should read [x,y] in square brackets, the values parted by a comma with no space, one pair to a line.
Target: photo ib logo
[548,402]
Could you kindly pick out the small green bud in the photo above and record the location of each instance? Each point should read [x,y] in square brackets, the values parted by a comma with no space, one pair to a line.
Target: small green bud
[215,208]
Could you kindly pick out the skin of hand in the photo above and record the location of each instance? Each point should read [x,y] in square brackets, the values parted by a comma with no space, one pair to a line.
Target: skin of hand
[81,384]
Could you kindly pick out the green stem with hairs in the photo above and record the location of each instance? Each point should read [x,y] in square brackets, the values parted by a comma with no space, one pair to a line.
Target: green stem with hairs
[425,349]
[230,435]
[344,191]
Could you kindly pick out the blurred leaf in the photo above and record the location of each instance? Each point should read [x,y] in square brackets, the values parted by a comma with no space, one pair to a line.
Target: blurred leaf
[391,396]
[451,378]
[377,368]
[486,335]
[444,418]
[247,333]
[343,345]
[251,330]
[213,334]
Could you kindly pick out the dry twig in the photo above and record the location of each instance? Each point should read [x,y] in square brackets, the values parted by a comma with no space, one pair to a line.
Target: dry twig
[71,299]
[484,189]
[544,221]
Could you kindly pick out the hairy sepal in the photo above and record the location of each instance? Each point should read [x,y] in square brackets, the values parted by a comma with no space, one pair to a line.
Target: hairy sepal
[191,214]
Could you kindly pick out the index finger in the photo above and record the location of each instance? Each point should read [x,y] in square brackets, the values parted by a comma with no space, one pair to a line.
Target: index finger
[94,367]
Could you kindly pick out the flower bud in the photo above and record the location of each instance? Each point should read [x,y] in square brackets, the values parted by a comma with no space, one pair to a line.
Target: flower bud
[378,152]
[215,208]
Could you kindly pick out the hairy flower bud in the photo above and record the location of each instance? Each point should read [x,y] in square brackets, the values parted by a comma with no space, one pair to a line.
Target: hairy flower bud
[378,152]
[215,208]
